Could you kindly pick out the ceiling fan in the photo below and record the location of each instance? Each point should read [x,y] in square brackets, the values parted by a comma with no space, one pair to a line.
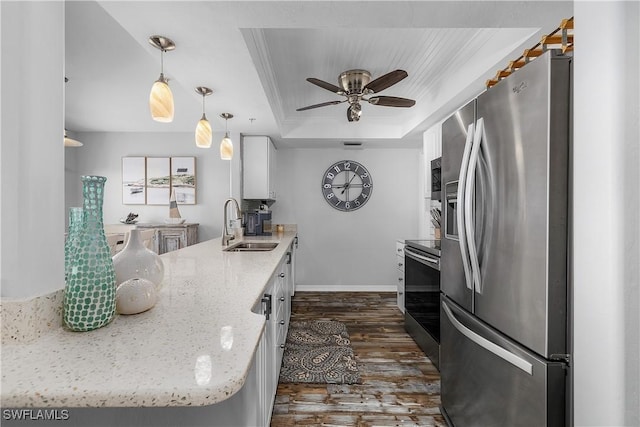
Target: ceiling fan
[355,85]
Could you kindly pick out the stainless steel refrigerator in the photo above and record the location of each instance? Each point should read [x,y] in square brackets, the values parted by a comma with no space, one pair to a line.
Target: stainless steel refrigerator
[504,356]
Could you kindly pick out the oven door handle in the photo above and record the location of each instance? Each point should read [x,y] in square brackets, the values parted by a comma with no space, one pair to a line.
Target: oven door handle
[420,258]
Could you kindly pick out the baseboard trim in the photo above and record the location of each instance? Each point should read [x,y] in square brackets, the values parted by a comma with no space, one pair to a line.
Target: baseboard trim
[346,288]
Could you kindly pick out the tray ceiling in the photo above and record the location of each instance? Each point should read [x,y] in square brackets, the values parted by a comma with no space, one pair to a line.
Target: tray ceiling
[256,57]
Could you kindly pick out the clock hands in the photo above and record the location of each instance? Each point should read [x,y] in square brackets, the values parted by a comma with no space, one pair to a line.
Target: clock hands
[346,185]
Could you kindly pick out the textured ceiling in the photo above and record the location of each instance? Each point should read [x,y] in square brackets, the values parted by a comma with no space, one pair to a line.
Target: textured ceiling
[256,57]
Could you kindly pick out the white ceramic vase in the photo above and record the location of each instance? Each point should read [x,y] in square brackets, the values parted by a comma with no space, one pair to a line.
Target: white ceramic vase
[136,261]
[134,296]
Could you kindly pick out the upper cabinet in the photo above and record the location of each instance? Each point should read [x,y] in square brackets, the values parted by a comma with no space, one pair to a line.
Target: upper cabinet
[258,168]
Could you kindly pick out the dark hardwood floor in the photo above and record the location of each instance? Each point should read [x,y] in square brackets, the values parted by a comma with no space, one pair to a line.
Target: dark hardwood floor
[400,386]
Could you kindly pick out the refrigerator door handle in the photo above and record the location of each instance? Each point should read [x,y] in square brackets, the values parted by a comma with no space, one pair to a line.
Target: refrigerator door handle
[468,206]
[462,240]
[504,354]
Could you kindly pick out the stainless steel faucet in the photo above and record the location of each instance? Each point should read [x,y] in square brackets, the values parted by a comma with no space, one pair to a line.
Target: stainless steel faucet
[226,236]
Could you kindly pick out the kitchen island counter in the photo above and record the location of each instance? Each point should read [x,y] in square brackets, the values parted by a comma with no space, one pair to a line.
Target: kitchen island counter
[195,347]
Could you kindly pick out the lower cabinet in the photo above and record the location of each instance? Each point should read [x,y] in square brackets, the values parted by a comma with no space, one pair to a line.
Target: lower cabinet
[276,306]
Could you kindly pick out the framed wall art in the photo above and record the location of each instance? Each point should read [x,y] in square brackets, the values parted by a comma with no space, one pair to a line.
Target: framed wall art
[133,181]
[150,180]
[158,180]
[183,179]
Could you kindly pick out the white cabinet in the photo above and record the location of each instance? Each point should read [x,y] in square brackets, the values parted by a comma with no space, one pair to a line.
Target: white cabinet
[400,271]
[292,276]
[258,168]
[265,359]
[276,306]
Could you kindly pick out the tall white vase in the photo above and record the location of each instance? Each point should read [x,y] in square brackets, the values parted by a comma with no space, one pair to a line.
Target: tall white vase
[136,261]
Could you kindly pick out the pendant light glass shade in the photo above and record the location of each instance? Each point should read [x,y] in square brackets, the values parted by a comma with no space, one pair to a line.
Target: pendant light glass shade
[70,142]
[161,98]
[203,133]
[161,101]
[226,148]
[203,129]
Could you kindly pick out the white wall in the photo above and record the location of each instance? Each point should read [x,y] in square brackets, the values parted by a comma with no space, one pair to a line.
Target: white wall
[102,155]
[606,220]
[348,250]
[32,153]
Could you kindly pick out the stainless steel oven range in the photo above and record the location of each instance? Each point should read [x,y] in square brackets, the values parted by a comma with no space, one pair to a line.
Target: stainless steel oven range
[422,295]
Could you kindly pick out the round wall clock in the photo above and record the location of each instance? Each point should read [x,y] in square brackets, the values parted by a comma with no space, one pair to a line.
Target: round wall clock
[347,185]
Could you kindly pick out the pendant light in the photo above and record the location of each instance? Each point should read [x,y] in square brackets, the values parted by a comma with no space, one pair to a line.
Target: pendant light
[70,142]
[226,146]
[203,130]
[161,98]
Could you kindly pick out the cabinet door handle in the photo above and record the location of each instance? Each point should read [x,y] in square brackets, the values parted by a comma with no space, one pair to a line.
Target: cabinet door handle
[400,279]
[281,299]
[281,274]
[282,346]
[400,293]
[282,322]
[267,302]
[399,264]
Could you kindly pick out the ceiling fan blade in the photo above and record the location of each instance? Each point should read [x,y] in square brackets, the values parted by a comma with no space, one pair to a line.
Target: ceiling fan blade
[325,85]
[383,82]
[391,101]
[324,104]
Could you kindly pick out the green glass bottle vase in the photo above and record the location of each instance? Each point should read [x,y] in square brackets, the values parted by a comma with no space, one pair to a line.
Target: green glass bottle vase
[90,291]
[73,238]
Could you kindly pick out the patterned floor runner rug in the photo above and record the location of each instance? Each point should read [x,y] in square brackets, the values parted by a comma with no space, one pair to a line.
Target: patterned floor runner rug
[319,352]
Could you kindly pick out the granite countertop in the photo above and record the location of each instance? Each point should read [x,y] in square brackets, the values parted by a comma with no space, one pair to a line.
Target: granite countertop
[195,347]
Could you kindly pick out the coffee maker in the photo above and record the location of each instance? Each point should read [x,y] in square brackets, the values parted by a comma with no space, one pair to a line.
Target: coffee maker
[257,223]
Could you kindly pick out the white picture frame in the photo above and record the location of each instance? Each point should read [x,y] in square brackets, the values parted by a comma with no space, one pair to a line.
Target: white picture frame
[158,180]
[134,189]
[183,179]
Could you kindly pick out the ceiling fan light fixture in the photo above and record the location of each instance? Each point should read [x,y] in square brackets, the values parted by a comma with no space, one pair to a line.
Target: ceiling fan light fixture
[226,145]
[354,112]
[161,98]
[203,129]
[355,85]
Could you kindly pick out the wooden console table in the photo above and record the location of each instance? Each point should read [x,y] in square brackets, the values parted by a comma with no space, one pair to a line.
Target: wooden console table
[171,237]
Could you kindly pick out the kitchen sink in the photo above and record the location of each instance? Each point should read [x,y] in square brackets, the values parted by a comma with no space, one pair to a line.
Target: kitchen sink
[252,247]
